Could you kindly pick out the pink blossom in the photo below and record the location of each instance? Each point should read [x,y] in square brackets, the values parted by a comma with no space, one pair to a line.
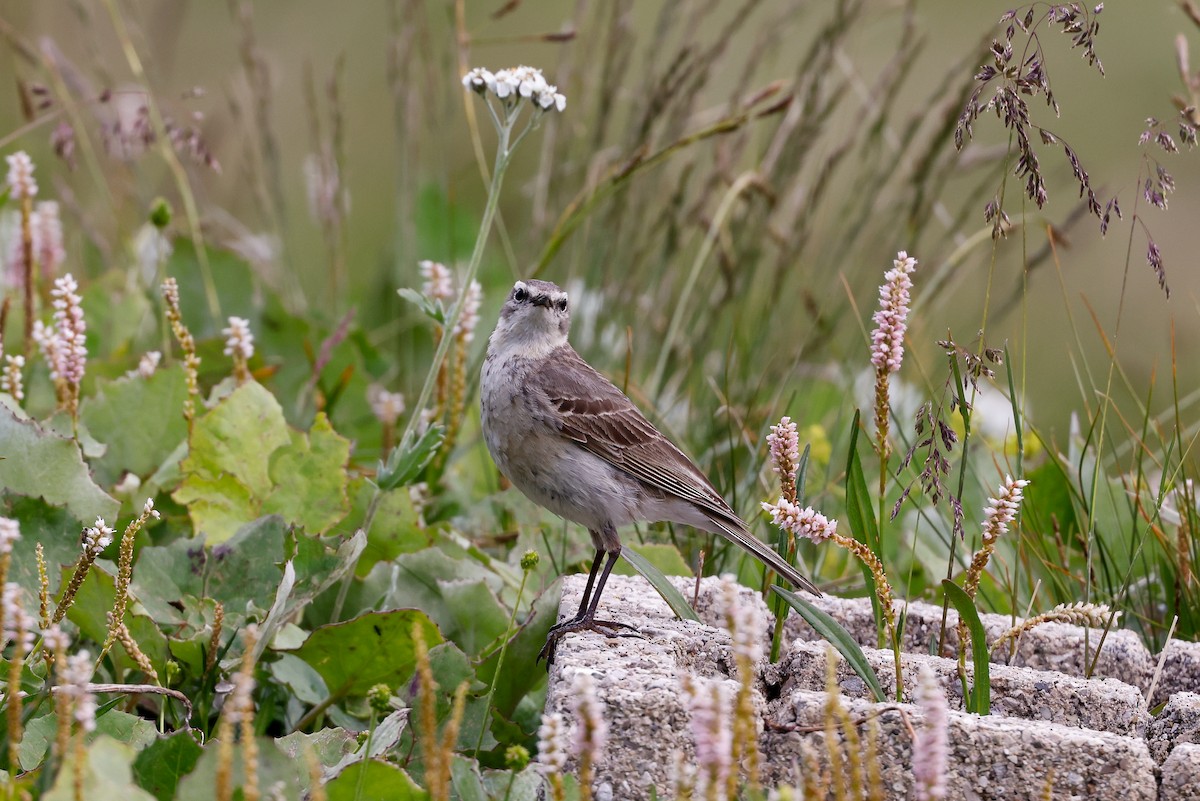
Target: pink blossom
[806,522]
[1002,510]
[784,442]
[929,747]
[20,176]
[891,321]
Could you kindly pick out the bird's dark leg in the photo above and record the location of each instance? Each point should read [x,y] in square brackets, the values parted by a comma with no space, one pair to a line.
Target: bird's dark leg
[585,619]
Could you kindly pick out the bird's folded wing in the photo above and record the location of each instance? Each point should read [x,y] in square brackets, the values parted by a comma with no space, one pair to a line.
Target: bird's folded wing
[589,409]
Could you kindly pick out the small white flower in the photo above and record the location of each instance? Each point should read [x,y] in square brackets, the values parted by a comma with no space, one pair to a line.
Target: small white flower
[478,80]
[18,625]
[75,681]
[147,364]
[439,283]
[149,510]
[20,176]
[11,380]
[387,406]
[239,341]
[128,485]
[10,532]
[98,537]
[468,319]
[54,638]
[46,228]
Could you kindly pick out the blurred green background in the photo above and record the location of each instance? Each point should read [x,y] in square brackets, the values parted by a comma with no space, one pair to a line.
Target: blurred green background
[415,189]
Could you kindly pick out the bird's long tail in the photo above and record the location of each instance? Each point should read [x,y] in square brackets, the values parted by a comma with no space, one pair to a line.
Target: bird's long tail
[763,552]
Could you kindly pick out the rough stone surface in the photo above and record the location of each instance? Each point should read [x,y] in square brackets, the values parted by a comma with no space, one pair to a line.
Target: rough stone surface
[990,757]
[1181,774]
[1178,722]
[993,757]
[1051,646]
[1180,670]
[1099,704]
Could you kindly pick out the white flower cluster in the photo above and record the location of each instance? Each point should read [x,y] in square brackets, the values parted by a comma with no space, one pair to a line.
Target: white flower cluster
[806,522]
[75,681]
[10,532]
[930,746]
[70,330]
[591,729]
[239,342]
[510,85]
[11,379]
[468,319]
[784,442]
[55,639]
[20,176]
[439,283]
[387,406]
[148,509]
[708,704]
[18,626]
[98,537]
[552,751]
[743,620]
[1002,510]
[46,228]
[147,364]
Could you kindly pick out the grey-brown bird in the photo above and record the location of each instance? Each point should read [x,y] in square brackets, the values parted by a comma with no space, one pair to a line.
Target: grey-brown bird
[565,436]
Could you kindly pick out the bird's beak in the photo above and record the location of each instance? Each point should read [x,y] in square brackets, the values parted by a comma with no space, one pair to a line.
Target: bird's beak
[541,300]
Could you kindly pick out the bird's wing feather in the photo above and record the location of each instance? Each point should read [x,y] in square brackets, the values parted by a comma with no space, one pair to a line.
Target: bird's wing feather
[589,409]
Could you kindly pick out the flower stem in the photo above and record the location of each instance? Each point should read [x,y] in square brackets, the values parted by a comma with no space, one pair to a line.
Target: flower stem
[487,707]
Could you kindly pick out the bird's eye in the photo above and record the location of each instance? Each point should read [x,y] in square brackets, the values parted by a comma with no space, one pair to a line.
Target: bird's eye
[520,295]
[561,305]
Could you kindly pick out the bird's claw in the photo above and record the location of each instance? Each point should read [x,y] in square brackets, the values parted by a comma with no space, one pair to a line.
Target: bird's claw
[609,628]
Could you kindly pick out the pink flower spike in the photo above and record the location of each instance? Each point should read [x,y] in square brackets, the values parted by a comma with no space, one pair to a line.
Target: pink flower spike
[891,321]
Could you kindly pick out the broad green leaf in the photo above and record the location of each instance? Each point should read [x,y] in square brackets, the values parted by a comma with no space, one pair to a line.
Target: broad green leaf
[274,767]
[40,464]
[139,419]
[120,726]
[980,698]
[524,786]
[406,461]
[663,555]
[396,528]
[310,478]
[374,648]
[661,583]
[378,781]
[160,766]
[59,534]
[300,677]
[479,618]
[468,784]
[329,746]
[833,633]
[384,738]
[107,775]
[422,577]
[94,601]
[226,474]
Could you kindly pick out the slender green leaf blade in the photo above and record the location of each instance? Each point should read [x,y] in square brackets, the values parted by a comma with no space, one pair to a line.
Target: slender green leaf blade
[406,463]
[981,693]
[838,637]
[665,588]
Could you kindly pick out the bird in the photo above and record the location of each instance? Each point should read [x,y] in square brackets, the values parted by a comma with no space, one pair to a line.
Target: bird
[575,444]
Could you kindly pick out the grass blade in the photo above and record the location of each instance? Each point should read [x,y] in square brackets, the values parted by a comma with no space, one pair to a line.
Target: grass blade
[665,588]
[834,634]
[980,697]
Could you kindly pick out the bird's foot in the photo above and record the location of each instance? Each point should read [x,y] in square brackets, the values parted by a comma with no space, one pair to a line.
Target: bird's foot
[609,628]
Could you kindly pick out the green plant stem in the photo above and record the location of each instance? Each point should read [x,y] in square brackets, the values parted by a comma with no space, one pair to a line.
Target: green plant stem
[362,766]
[512,619]
[320,708]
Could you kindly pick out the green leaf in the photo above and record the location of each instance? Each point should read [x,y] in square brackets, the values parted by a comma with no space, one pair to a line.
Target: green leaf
[121,726]
[40,464]
[227,470]
[310,478]
[468,784]
[405,463]
[430,309]
[665,588]
[139,419]
[160,766]
[663,555]
[861,516]
[479,617]
[833,633]
[107,775]
[378,781]
[374,648]
[396,528]
[979,700]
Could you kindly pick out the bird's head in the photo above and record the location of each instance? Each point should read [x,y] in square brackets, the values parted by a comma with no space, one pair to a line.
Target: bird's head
[536,315]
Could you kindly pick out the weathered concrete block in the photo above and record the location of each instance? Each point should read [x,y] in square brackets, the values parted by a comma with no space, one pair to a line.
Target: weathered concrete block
[1099,704]
[1178,722]
[638,682]
[1181,774]
[1051,646]
[990,757]
[1181,670]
